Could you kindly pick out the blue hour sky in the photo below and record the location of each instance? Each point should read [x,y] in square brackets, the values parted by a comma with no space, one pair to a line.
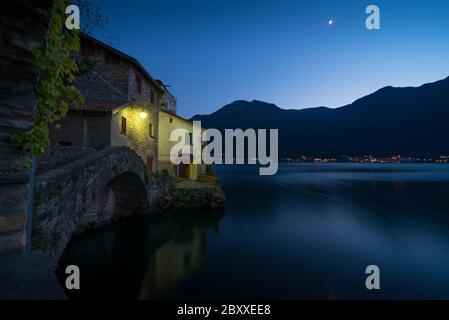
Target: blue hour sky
[213,52]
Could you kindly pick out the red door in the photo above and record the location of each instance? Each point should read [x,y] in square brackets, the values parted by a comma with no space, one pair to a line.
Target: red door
[184,171]
[150,164]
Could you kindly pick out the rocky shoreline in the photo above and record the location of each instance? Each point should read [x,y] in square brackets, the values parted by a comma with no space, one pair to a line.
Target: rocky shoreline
[204,193]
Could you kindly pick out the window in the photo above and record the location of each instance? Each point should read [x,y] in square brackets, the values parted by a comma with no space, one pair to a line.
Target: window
[112,58]
[150,130]
[123,126]
[171,120]
[152,95]
[138,83]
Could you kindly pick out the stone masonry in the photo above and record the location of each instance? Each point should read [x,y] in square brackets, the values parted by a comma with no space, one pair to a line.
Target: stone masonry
[23,28]
[90,192]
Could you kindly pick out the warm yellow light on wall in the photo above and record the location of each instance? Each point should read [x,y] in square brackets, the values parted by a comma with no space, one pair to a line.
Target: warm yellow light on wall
[143,115]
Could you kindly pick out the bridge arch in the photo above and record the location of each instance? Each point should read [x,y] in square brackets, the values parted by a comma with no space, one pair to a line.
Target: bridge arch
[123,196]
[95,190]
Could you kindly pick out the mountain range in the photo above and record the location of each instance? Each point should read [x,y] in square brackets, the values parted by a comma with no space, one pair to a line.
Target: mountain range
[410,121]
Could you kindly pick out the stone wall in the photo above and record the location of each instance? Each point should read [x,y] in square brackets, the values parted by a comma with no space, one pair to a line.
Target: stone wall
[23,28]
[83,129]
[100,79]
[205,194]
[158,187]
[13,213]
[146,87]
[137,136]
[90,192]
[168,101]
[59,156]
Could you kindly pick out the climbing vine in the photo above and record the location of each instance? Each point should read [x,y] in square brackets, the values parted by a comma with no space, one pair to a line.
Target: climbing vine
[54,90]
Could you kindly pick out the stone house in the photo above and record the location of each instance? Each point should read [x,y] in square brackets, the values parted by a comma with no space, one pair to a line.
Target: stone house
[167,123]
[124,106]
[121,106]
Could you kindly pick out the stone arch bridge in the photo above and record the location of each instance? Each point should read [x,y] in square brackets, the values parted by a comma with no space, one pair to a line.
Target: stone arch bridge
[97,189]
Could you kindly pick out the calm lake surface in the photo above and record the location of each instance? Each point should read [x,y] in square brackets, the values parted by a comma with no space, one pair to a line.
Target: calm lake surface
[308,232]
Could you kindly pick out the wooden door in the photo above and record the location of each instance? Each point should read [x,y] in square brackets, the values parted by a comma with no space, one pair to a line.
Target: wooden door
[150,164]
[184,171]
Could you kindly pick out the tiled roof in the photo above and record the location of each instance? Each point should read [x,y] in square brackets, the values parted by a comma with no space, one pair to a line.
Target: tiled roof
[101,105]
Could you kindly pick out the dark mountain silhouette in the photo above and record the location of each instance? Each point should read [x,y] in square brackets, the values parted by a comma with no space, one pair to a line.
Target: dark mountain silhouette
[407,121]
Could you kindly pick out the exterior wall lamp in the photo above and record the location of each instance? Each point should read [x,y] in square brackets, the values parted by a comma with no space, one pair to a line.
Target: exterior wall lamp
[143,115]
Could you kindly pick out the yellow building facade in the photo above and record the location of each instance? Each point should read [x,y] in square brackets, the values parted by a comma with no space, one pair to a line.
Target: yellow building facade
[167,123]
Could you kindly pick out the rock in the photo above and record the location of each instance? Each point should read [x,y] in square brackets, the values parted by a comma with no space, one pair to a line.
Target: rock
[23,28]
[200,194]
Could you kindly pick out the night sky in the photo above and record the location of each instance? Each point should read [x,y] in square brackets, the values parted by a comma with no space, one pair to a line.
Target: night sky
[213,52]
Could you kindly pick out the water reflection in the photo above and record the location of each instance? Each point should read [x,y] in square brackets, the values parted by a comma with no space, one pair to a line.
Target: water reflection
[172,263]
[139,258]
[306,233]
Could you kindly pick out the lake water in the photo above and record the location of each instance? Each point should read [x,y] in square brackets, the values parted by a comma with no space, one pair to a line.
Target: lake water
[308,232]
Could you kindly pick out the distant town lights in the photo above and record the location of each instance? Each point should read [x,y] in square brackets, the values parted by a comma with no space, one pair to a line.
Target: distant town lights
[143,114]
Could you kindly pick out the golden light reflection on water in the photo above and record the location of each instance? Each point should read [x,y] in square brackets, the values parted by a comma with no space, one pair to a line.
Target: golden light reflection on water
[172,263]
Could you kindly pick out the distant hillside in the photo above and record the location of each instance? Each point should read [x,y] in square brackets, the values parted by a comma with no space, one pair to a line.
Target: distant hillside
[407,121]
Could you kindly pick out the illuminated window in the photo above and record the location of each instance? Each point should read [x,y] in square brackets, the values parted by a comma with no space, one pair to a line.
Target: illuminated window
[123,126]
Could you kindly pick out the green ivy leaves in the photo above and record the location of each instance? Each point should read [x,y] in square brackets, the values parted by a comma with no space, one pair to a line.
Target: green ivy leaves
[54,90]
